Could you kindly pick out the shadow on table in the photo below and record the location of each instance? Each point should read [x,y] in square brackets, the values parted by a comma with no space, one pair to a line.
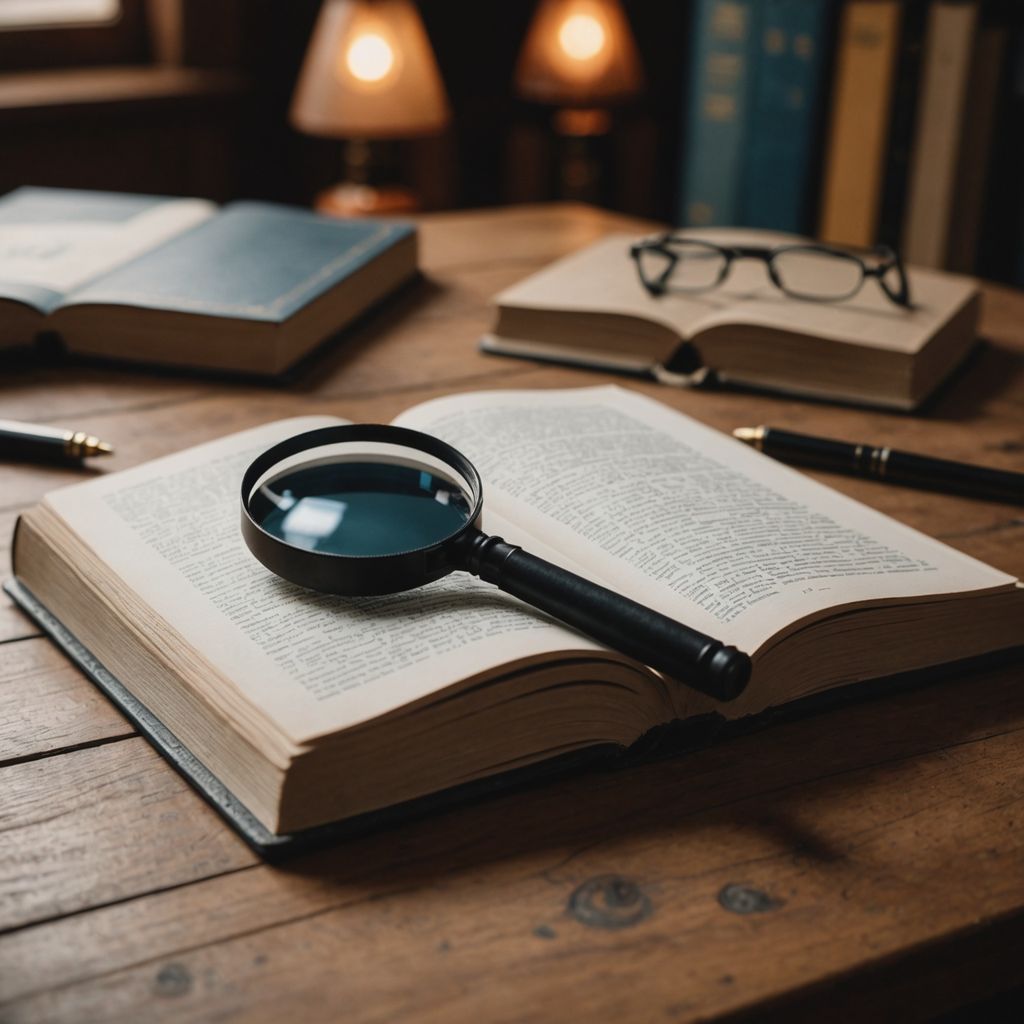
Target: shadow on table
[991,370]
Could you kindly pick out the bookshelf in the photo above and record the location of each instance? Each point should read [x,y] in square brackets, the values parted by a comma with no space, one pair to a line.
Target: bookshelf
[860,122]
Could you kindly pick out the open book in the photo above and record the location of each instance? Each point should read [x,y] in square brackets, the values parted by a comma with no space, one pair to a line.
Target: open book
[590,309]
[311,708]
[251,288]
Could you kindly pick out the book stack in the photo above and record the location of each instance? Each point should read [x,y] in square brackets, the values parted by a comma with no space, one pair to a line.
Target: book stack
[861,121]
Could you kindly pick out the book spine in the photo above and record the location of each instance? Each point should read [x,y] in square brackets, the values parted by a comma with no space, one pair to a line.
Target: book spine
[712,162]
[1000,252]
[864,76]
[947,58]
[1017,173]
[987,61]
[901,131]
[783,121]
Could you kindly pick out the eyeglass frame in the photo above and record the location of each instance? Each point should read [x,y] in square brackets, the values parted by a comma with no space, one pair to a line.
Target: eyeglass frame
[888,259]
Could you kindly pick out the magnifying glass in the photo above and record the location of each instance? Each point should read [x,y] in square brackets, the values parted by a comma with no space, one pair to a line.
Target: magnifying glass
[367,509]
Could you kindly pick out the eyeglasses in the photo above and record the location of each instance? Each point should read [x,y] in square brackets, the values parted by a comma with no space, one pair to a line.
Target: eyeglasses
[817,273]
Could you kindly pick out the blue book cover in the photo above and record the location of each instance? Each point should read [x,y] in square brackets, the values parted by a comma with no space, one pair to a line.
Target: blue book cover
[254,261]
[720,79]
[787,82]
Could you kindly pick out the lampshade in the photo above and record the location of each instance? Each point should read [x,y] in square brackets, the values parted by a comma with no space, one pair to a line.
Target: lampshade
[579,53]
[369,72]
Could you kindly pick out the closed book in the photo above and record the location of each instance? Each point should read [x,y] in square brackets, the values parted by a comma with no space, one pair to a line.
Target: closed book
[724,41]
[862,98]
[293,711]
[784,119]
[590,309]
[949,43]
[902,122]
[1000,253]
[250,288]
[976,148]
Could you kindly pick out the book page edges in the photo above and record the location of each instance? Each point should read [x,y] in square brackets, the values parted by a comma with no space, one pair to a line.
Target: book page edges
[730,344]
[245,763]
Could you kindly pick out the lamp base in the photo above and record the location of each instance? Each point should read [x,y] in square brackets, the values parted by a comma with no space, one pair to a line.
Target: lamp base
[580,123]
[351,200]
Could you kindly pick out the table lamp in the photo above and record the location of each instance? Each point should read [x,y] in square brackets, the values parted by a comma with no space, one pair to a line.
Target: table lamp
[580,56]
[369,73]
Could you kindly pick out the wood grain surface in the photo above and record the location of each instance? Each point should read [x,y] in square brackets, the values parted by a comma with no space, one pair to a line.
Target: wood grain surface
[866,861]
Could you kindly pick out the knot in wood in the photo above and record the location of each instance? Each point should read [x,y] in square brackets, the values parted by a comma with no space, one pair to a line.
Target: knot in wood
[173,980]
[609,901]
[745,899]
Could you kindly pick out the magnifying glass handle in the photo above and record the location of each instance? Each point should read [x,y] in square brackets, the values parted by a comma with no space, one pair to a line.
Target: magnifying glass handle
[685,654]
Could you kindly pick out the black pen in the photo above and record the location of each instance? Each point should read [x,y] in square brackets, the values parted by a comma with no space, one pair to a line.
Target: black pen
[886,464]
[29,441]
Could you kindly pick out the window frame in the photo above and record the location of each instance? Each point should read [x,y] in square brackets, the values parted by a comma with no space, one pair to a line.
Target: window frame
[80,44]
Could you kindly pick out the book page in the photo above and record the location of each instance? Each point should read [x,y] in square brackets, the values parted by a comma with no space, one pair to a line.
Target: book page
[312,663]
[685,519]
[59,255]
[602,278]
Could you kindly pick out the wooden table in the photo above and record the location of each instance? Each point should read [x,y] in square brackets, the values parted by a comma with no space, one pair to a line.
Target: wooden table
[865,860]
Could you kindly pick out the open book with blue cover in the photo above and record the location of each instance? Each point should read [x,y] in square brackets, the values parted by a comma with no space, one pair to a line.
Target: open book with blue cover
[249,288]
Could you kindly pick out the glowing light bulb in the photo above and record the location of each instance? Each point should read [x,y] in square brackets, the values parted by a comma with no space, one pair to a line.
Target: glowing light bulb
[581,36]
[370,57]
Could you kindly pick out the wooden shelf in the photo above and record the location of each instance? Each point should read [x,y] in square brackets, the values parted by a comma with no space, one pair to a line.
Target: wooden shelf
[31,92]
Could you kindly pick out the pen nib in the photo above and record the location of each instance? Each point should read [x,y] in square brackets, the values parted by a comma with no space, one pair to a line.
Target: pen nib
[80,445]
[750,435]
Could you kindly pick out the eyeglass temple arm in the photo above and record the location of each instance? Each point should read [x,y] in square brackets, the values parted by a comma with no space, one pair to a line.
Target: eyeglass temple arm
[890,259]
[657,286]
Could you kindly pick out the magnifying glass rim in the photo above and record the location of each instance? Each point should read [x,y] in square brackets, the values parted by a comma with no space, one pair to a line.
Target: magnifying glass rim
[346,434]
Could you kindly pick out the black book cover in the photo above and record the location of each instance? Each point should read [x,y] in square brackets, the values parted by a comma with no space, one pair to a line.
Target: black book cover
[902,123]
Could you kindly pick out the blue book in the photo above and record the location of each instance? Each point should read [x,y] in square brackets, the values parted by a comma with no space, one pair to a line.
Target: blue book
[724,39]
[784,114]
[249,288]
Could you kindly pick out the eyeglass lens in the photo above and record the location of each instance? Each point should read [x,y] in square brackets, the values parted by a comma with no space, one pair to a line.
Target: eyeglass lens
[687,266]
[813,274]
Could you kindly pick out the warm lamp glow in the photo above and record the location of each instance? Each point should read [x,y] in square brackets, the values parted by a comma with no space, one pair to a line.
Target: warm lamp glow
[579,53]
[369,73]
[369,57]
[581,37]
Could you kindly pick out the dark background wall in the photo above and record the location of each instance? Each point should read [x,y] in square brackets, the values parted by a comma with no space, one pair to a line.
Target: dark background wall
[217,126]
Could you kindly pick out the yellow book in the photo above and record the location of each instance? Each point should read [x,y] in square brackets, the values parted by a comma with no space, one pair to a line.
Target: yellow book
[855,154]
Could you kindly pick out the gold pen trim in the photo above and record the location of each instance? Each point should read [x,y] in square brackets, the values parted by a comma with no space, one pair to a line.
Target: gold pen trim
[751,435]
[80,445]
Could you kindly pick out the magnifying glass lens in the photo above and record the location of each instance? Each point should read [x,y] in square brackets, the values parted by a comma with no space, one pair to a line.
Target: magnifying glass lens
[360,508]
